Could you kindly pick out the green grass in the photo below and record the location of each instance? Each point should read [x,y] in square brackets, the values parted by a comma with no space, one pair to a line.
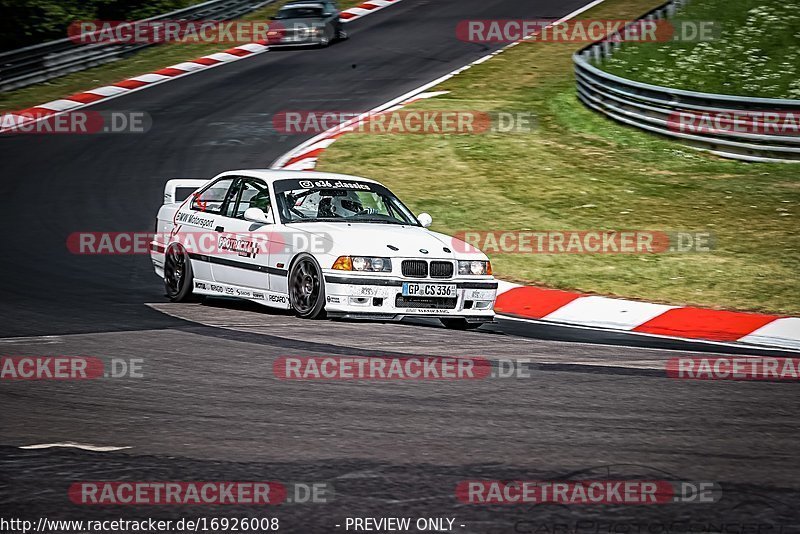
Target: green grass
[580,171]
[756,54]
[149,60]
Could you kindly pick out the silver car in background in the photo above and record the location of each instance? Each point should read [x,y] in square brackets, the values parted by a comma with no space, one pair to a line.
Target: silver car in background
[304,23]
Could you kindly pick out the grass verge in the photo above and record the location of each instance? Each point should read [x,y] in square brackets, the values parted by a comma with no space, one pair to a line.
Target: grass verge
[580,171]
[148,60]
[757,52]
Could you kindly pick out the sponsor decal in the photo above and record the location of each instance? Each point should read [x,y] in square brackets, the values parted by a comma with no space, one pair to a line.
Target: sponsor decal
[242,247]
[244,293]
[217,288]
[282,299]
[258,296]
[201,204]
[200,285]
[229,291]
[334,300]
[194,219]
[338,184]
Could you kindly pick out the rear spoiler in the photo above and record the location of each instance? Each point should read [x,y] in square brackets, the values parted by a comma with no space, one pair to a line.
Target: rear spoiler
[179,189]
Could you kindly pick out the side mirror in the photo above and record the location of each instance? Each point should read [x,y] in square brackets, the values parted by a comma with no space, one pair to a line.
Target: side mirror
[425,219]
[257,215]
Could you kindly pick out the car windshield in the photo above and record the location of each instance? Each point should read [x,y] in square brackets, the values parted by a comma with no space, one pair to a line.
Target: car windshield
[339,201]
[299,13]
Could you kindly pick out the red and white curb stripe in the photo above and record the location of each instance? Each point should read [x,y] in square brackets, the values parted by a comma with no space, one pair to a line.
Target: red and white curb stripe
[575,309]
[12,120]
[365,9]
[564,307]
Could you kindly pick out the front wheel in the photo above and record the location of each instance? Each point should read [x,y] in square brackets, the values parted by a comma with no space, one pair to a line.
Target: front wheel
[307,288]
[457,323]
[178,276]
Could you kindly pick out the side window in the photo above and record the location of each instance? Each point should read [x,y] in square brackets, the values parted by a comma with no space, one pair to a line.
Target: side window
[212,198]
[254,194]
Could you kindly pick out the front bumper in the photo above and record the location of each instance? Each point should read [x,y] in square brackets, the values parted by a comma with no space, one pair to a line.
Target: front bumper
[372,297]
[297,40]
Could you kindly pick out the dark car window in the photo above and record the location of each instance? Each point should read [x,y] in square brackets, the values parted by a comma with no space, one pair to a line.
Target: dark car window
[212,198]
[253,194]
[299,13]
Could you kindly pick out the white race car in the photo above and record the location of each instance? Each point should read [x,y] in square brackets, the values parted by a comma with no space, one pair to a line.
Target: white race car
[318,244]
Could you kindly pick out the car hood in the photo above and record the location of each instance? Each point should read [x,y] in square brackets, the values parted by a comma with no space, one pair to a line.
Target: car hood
[361,239]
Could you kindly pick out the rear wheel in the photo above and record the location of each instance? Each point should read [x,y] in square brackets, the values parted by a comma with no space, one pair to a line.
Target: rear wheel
[307,288]
[458,323]
[178,276]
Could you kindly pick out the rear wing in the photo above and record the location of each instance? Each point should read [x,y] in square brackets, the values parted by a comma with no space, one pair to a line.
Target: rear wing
[180,189]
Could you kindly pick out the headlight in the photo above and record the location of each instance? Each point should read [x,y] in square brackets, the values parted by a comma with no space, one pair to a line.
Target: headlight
[363,263]
[474,267]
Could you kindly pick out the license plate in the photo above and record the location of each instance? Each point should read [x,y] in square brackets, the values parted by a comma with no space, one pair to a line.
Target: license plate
[429,290]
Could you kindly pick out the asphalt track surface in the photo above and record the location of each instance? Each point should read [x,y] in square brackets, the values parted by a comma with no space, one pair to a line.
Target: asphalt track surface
[594,404]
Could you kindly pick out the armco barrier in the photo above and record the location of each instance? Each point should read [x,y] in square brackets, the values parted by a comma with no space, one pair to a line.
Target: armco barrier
[650,107]
[45,61]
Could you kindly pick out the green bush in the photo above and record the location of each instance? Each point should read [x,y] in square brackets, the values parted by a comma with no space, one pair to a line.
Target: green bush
[28,22]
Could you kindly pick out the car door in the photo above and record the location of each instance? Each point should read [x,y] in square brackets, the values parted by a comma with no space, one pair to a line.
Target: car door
[243,246]
[196,223]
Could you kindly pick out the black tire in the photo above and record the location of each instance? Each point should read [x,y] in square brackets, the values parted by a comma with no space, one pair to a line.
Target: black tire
[307,288]
[327,37]
[457,323]
[178,275]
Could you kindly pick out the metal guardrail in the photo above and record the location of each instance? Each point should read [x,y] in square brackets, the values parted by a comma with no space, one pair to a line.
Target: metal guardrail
[653,107]
[45,61]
